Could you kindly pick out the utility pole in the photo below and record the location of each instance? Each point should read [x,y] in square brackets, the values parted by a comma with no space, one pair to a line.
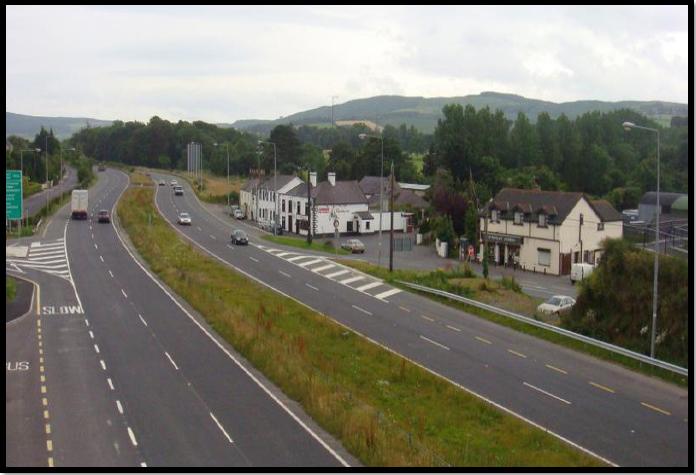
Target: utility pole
[391,231]
[580,259]
[309,208]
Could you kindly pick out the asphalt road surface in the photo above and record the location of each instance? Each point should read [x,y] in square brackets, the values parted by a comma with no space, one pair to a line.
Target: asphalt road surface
[35,202]
[626,418]
[120,374]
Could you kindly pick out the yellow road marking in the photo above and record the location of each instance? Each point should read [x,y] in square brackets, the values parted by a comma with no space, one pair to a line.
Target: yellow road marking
[483,340]
[40,351]
[40,359]
[46,415]
[609,390]
[48,428]
[556,369]
[50,461]
[38,299]
[516,353]
[49,445]
[43,389]
[44,401]
[41,368]
[43,378]
[650,406]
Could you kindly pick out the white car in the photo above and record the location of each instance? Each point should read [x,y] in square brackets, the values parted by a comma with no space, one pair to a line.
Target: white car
[184,218]
[238,214]
[173,183]
[556,305]
[580,271]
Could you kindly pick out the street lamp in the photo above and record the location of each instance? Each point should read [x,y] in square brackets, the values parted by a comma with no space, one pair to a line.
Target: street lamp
[71,149]
[275,184]
[628,126]
[227,149]
[21,172]
[381,198]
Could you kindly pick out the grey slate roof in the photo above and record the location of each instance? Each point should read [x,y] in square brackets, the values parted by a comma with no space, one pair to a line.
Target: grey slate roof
[556,204]
[344,192]
[370,185]
[282,180]
[605,211]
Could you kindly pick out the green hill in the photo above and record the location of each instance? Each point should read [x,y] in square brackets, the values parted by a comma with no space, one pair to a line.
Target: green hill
[423,112]
[28,126]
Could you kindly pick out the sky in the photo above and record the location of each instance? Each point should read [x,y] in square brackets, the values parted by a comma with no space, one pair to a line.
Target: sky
[224,63]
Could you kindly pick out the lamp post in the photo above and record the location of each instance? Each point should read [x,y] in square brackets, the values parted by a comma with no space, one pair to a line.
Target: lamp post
[628,126]
[275,184]
[21,171]
[71,149]
[381,189]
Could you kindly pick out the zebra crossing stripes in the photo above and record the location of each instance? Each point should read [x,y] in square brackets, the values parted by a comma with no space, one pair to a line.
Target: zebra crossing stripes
[48,256]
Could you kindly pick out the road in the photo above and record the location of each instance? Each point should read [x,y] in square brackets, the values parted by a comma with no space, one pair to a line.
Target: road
[120,373]
[624,417]
[35,202]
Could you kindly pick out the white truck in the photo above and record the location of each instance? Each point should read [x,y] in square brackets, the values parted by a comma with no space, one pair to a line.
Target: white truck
[79,204]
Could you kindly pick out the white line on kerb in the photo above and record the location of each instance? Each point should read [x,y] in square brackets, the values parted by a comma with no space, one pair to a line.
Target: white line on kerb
[222,428]
[434,342]
[142,320]
[311,286]
[170,359]
[132,437]
[118,405]
[124,294]
[545,392]
[284,273]
[361,310]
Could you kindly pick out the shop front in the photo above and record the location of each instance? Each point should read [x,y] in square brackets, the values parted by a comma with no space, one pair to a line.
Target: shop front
[504,249]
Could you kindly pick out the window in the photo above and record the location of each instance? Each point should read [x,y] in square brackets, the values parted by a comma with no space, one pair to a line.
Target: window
[600,226]
[298,207]
[518,217]
[494,215]
[544,256]
[283,206]
[542,220]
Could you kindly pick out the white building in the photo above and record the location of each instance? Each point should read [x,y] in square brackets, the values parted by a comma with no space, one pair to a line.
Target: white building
[546,231]
[258,197]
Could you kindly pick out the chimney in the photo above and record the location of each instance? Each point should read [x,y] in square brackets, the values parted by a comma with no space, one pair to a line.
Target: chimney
[332,178]
[313,179]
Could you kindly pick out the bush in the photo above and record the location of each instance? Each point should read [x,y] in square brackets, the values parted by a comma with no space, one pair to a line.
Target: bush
[511,284]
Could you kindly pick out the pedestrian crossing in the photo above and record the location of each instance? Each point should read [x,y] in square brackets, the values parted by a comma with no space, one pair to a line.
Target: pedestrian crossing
[45,256]
[335,272]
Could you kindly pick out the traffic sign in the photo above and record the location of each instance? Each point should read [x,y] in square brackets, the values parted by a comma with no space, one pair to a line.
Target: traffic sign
[13,194]
[336,224]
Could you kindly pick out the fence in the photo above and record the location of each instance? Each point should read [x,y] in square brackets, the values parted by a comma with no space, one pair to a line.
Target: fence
[674,238]
[576,336]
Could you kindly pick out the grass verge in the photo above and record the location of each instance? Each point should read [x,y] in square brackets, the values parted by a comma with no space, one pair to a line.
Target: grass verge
[433,280]
[301,243]
[385,410]
[215,188]
[10,289]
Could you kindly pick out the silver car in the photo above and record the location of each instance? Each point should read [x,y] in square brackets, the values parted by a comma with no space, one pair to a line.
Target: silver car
[556,305]
[354,246]
[184,218]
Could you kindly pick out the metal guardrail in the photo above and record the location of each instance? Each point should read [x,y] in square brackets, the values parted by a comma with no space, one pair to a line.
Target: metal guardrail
[576,336]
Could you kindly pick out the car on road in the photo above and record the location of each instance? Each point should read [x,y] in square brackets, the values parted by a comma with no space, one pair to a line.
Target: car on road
[162,183]
[556,305]
[178,190]
[184,218]
[103,216]
[173,183]
[238,214]
[354,246]
[239,237]
[580,271]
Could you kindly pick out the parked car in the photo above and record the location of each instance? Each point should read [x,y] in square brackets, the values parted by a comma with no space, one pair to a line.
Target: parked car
[178,190]
[184,218]
[580,271]
[103,216]
[354,246]
[556,305]
[239,237]
[238,214]
[162,183]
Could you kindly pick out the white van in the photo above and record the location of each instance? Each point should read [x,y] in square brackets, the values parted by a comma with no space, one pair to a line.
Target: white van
[580,271]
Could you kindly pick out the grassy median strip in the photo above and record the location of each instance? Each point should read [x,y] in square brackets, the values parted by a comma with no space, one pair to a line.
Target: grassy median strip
[384,410]
[10,289]
[300,243]
[448,281]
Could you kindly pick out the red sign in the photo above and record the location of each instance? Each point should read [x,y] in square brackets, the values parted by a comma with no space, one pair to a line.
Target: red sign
[471,250]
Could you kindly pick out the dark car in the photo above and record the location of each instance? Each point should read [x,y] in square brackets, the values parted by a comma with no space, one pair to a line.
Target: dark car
[239,237]
[103,216]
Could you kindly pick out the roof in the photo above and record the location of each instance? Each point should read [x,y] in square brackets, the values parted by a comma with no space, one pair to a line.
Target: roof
[250,184]
[666,199]
[281,180]
[343,192]
[605,210]
[557,204]
[414,186]
[409,197]
[365,215]
[370,185]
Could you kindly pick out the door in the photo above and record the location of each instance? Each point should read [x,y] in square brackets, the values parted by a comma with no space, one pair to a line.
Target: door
[349,226]
[565,263]
[290,223]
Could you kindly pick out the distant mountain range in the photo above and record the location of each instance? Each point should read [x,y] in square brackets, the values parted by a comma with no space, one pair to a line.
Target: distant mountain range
[421,112]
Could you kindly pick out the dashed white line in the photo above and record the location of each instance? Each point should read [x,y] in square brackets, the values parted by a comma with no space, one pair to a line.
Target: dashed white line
[111,273]
[285,273]
[171,360]
[103,365]
[142,319]
[132,437]
[86,322]
[311,286]
[118,405]
[222,428]
[111,385]
[521,355]
[546,392]
[124,293]
[361,310]
[95,246]
[487,342]
[96,348]
[101,258]
[91,335]
[556,369]
[211,236]
[434,342]
[253,259]
[427,318]
[453,328]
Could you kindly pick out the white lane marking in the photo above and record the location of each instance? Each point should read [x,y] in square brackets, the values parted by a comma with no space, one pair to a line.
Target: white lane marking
[323,268]
[143,464]
[488,342]
[124,294]
[602,387]
[199,228]
[434,342]
[427,318]
[103,365]
[171,360]
[352,279]
[211,236]
[297,258]
[142,319]
[556,369]
[336,274]
[371,285]
[309,263]
[86,322]
[521,355]
[388,293]
[95,246]
[453,328]
[222,428]
[118,405]
[285,273]
[282,254]
[91,335]
[657,409]
[546,392]
[361,310]
[101,258]
[253,259]
[111,273]
[311,286]
[92,235]
[132,437]
[96,348]
[111,385]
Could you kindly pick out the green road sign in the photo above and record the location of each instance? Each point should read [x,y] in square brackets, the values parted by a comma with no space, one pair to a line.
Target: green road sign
[13,194]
